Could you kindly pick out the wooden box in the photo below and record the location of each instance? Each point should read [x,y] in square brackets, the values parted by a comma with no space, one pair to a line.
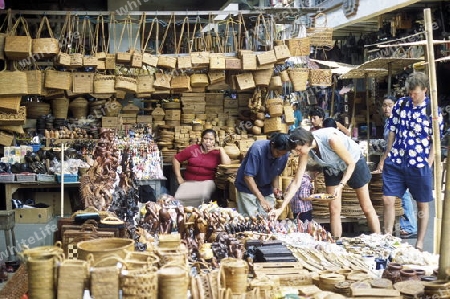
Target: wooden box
[172,115]
[127,118]
[144,119]
[109,121]
[33,215]
[230,103]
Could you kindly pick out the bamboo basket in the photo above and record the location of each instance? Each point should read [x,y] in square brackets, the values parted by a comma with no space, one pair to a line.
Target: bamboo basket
[284,76]
[262,77]
[173,256]
[73,278]
[172,281]
[102,248]
[17,285]
[299,78]
[41,276]
[36,109]
[275,83]
[320,35]
[60,107]
[233,275]
[105,282]
[136,260]
[104,84]
[139,284]
[320,77]
[79,108]
[273,124]
[275,107]
[10,104]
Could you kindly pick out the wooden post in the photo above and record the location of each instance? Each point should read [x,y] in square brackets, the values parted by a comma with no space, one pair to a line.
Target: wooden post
[436,140]
[366,81]
[333,90]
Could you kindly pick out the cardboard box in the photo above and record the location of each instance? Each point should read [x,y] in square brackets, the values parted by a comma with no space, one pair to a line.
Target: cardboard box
[34,215]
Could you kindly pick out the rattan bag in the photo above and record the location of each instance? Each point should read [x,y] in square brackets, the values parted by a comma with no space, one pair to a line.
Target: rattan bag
[13,83]
[46,46]
[83,82]
[58,80]
[104,84]
[18,47]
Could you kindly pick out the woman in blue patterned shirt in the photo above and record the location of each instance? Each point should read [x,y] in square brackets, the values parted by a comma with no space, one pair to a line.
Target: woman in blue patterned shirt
[409,154]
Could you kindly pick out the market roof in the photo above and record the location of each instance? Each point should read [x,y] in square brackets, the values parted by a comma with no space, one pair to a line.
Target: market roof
[416,43]
[397,64]
[336,67]
[359,73]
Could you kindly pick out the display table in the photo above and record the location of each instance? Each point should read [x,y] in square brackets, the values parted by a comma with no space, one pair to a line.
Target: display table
[11,188]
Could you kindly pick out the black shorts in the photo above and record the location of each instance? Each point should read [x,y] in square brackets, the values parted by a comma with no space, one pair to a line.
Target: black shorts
[359,178]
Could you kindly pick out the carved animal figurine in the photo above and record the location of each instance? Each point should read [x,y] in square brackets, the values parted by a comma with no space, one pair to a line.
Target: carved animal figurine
[165,221]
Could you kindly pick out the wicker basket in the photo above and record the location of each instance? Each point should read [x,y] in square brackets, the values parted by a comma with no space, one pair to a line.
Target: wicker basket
[233,275]
[60,107]
[275,107]
[199,80]
[34,82]
[41,277]
[139,284]
[285,76]
[48,46]
[282,52]
[83,83]
[169,62]
[245,81]
[79,108]
[72,279]
[105,282]
[273,124]
[172,282]
[266,57]
[145,84]
[58,80]
[320,35]
[173,256]
[14,83]
[101,248]
[299,78]
[37,109]
[18,47]
[320,77]
[135,260]
[249,61]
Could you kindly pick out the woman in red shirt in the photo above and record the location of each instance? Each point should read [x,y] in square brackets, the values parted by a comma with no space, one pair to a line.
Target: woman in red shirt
[202,160]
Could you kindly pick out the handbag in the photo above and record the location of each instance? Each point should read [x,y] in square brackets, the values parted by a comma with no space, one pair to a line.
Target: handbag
[245,81]
[183,62]
[18,47]
[13,83]
[163,60]
[47,46]
[148,58]
[162,81]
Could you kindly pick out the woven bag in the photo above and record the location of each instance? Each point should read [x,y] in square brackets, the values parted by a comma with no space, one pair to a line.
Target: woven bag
[180,83]
[13,83]
[162,81]
[18,47]
[262,77]
[232,63]
[168,62]
[299,78]
[83,82]
[249,61]
[200,59]
[145,84]
[217,61]
[47,46]
[299,46]
[199,80]
[266,57]
[275,106]
[104,84]
[275,83]
[34,82]
[2,45]
[127,84]
[320,35]
[10,104]
[320,77]
[58,80]
[245,81]
[282,52]
[148,58]
[216,76]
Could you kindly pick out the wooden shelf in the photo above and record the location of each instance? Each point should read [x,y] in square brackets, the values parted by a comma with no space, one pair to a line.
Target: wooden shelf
[59,140]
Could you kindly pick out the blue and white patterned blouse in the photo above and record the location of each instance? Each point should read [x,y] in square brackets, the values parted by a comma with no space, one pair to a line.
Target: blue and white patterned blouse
[413,130]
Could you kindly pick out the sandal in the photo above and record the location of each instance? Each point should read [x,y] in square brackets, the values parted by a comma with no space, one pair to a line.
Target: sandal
[407,235]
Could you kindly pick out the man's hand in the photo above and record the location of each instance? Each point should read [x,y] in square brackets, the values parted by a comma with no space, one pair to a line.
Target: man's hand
[278,193]
[275,214]
[265,205]
[338,190]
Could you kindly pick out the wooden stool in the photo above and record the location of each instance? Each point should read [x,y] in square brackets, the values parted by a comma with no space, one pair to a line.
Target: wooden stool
[7,222]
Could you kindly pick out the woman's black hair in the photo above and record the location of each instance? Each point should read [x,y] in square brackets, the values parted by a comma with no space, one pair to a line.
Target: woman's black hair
[317,111]
[280,141]
[300,136]
[209,131]
[329,123]
[392,98]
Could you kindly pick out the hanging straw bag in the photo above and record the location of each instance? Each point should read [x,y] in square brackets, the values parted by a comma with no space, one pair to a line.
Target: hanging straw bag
[245,81]
[299,78]
[89,60]
[18,46]
[76,58]
[104,84]
[100,26]
[145,84]
[216,77]
[320,77]
[35,79]
[199,80]
[13,83]
[180,83]
[262,77]
[162,81]
[184,62]
[199,57]
[320,35]
[127,84]
[58,80]
[299,46]
[148,58]
[125,57]
[83,82]
[63,57]
[165,61]
[136,57]
[282,52]
[47,46]
[249,60]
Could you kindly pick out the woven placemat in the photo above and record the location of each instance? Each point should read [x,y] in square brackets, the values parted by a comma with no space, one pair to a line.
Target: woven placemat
[17,285]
